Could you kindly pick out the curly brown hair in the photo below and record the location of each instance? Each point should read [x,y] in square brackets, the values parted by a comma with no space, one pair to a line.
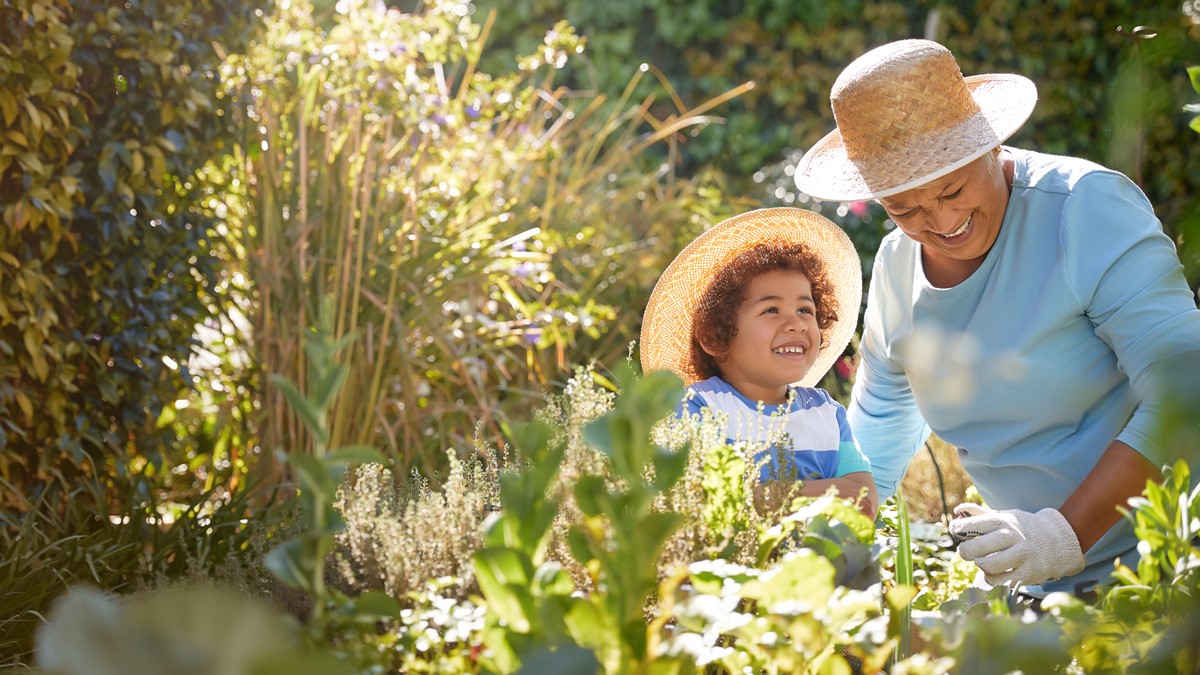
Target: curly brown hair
[716,313]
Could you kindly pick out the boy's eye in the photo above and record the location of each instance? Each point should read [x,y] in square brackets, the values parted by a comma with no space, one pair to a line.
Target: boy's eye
[770,310]
[806,310]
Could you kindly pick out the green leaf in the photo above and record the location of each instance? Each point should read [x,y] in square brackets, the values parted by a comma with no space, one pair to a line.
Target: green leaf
[504,576]
[591,495]
[1194,75]
[566,659]
[355,454]
[377,604]
[590,624]
[294,562]
[324,391]
[304,663]
[669,467]
[552,579]
[310,415]
[314,476]
[802,575]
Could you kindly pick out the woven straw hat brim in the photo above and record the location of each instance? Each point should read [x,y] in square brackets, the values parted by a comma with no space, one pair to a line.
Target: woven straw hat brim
[826,171]
[666,336]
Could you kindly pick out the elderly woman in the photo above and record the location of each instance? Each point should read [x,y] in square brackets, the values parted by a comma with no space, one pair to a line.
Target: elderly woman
[1023,310]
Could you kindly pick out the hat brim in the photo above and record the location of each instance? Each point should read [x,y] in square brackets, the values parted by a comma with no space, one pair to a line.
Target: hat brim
[1005,101]
[666,336]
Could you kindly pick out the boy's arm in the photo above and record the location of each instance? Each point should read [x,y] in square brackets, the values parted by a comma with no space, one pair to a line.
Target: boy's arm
[850,487]
[769,496]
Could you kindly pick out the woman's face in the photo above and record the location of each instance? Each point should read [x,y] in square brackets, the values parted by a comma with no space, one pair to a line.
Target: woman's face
[958,215]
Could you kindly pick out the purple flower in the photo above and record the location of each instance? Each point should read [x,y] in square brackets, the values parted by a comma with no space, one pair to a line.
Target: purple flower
[473,112]
[533,335]
[523,269]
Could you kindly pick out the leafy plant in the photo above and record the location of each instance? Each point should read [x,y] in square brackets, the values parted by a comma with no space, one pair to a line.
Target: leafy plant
[815,608]
[105,249]
[463,222]
[300,562]
[1194,75]
[1145,621]
[618,541]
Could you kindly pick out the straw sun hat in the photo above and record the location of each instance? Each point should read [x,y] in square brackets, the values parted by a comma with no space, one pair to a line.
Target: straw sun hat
[667,324]
[905,116]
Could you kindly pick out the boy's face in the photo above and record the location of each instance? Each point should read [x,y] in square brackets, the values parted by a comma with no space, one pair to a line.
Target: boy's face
[777,336]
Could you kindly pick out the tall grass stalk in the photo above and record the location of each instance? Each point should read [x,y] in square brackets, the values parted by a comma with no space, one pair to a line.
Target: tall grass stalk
[904,574]
[468,227]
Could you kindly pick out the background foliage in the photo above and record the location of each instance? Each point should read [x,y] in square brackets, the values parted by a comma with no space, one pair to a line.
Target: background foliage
[486,207]
[480,233]
[108,111]
[1104,95]
[105,258]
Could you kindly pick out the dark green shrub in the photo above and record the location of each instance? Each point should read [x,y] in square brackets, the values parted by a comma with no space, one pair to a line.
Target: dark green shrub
[106,266]
[106,260]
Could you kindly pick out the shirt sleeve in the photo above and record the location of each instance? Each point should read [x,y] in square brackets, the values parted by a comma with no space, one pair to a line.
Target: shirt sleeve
[691,405]
[883,413]
[850,457]
[1126,275]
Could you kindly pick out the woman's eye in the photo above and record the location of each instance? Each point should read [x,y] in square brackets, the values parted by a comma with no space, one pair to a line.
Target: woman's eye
[954,194]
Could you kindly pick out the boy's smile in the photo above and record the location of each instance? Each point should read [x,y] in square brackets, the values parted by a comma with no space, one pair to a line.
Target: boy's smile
[777,338]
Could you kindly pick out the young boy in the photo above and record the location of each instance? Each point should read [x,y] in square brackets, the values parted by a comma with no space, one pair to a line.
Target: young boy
[748,316]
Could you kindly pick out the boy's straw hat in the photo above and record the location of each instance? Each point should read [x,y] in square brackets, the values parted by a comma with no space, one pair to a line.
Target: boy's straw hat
[666,342]
[905,116]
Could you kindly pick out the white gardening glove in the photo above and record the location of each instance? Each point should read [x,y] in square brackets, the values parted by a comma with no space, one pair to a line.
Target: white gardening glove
[1017,546]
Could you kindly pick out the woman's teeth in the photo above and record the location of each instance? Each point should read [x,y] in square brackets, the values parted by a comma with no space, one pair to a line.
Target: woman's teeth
[959,231]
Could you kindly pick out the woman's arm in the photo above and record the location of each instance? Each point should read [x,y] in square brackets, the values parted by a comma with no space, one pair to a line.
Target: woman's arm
[1121,473]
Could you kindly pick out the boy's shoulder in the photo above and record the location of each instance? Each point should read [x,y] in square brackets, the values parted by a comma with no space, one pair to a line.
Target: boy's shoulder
[811,397]
[718,393]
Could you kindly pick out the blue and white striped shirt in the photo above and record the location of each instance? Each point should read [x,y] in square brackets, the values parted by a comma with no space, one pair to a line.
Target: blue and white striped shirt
[812,427]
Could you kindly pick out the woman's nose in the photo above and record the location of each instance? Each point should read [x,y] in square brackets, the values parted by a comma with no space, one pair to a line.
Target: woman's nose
[943,220]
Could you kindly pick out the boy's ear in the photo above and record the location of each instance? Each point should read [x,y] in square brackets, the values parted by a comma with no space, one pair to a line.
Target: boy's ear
[715,353]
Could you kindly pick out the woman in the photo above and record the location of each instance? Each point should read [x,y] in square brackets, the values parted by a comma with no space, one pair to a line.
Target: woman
[1023,310]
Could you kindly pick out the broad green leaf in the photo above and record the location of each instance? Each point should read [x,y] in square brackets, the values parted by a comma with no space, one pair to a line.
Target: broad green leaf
[504,577]
[590,623]
[1194,75]
[355,454]
[377,604]
[552,579]
[591,495]
[304,663]
[800,576]
[669,467]
[326,388]
[314,476]
[565,659]
[309,414]
[294,562]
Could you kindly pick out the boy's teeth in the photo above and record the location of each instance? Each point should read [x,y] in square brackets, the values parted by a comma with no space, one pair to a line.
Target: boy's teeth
[790,350]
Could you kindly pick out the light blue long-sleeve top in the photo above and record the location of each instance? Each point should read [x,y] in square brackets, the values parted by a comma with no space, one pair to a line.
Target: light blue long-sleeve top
[806,438]
[1035,363]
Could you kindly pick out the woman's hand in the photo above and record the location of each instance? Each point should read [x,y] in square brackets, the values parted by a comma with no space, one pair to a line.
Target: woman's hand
[1017,546]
